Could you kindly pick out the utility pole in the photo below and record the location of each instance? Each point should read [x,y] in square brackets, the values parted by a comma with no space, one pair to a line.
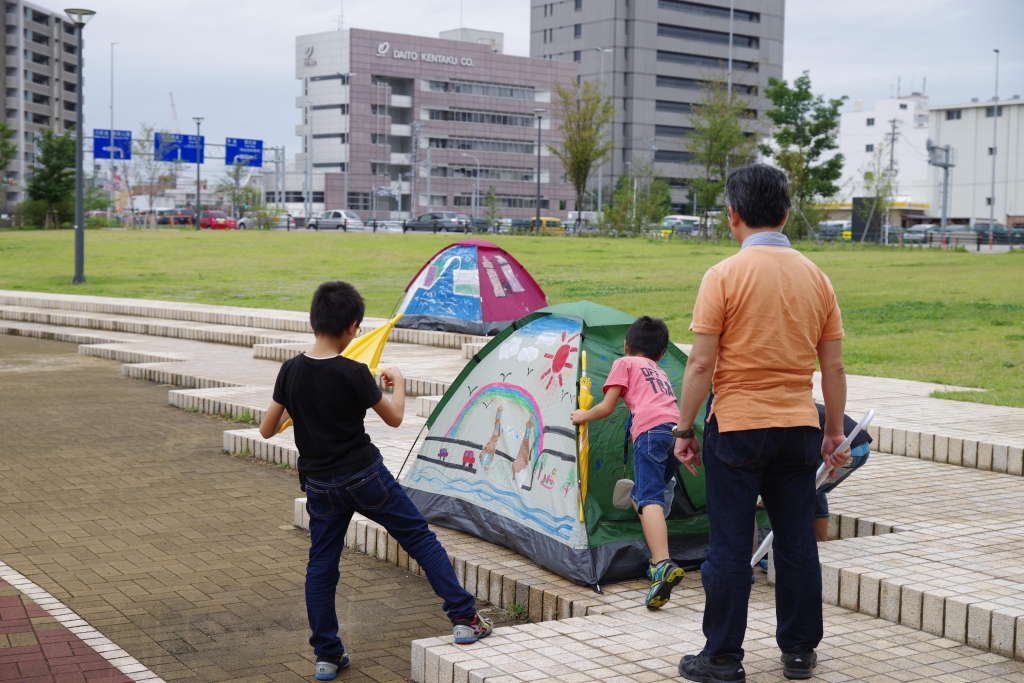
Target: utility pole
[539,113]
[113,164]
[995,130]
[308,205]
[199,151]
[417,130]
[600,169]
[430,199]
[892,160]
[944,158]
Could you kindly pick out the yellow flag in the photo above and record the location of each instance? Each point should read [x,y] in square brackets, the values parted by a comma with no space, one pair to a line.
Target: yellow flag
[366,349]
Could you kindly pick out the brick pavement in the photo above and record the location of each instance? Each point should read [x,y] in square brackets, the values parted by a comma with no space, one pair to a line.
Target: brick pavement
[128,512]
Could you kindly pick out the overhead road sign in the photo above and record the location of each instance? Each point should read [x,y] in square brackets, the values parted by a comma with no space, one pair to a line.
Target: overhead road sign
[103,149]
[177,147]
[242,151]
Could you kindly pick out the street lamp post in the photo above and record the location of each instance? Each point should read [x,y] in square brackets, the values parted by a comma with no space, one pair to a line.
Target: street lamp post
[540,115]
[113,162]
[80,17]
[476,190]
[995,130]
[199,149]
[600,169]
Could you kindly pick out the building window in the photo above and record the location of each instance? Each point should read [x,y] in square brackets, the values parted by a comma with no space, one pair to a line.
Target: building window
[577,55]
[671,131]
[701,60]
[516,92]
[333,77]
[504,201]
[577,30]
[494,118]
[720,37]
[699,8]
[508,174]
[903,106]
[438,200]
[954,114]
[674,107]
[869,148]
[484,145]
[70,68]
[696,84]
[340,137]
[378,139]
[579,5]
[988,201]
[343,108]
[991,151]
[70,106]
[70,49]
[671,156]
[359,201]
[991,111]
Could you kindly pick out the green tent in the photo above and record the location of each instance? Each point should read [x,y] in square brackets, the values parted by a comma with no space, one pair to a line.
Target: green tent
[500,459]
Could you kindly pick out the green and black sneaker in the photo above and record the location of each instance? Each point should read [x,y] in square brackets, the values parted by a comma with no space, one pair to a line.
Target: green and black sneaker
[664,577]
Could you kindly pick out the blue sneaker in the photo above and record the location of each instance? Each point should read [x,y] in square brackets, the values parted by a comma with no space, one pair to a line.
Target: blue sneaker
[327,668]
[468,631]
[763,564]
[664,577]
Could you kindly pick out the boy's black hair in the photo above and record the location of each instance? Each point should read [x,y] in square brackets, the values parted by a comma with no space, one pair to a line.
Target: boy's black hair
[760,195]
[648,337]
[336,305]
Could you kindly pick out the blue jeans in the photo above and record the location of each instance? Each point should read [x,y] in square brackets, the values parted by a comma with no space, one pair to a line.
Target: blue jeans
[654,465]
[779,464]
[374,493]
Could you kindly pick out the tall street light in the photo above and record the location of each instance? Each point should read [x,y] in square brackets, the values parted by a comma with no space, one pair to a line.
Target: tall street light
[539,113]
[995,130]
[476,190]
[80,17]
[600,169]
[199,190]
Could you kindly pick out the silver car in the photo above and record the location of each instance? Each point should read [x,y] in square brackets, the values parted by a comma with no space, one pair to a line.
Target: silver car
[336,219]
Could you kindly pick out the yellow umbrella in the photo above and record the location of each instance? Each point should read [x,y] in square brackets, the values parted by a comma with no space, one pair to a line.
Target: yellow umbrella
[366,349]
[586,399]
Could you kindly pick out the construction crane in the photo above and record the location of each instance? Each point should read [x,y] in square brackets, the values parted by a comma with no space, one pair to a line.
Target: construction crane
[174,115]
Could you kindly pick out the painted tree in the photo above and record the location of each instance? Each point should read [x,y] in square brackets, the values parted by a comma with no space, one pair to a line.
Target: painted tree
[720,140]
[805,130]
[584,113]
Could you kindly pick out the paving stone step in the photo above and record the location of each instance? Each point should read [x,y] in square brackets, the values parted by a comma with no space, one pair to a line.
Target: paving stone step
[425,405]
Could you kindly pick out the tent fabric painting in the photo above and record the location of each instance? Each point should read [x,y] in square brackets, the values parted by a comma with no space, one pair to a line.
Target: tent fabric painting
[500,458]
[472,287]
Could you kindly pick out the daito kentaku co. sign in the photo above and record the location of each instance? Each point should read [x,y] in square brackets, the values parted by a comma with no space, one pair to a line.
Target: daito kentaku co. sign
[384,50]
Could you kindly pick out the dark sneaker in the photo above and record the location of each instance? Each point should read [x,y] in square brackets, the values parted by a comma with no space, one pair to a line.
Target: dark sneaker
[664,576]
[468,631]
[327,668]
[701,668]
[799,666]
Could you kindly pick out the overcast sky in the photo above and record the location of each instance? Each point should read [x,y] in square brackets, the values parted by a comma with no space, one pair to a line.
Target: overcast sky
[233,62]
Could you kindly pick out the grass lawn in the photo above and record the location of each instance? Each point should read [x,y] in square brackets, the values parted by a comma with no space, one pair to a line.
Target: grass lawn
[949,317]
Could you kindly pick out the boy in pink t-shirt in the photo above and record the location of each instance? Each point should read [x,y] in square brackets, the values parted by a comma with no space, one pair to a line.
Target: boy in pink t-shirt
[647,392]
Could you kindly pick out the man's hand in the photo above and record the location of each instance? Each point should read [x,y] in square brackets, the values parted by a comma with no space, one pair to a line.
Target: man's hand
[687,452]
[391,376]
[579,417]
[828,446]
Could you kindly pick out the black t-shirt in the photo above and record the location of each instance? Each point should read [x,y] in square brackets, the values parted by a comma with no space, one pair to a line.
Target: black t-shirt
[848,426]
[327,399]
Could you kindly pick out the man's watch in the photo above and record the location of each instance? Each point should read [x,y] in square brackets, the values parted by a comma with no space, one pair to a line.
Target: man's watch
[683,433]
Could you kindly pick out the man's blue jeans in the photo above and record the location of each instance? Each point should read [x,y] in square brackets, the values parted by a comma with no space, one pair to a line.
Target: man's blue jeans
[779,464]
[375,494]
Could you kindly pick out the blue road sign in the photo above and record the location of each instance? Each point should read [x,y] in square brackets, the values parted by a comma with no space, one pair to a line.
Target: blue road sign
[102,149]
[177,147]
[239,150]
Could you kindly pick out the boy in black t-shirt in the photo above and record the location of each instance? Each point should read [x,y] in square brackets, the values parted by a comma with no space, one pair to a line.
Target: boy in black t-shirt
[327,395]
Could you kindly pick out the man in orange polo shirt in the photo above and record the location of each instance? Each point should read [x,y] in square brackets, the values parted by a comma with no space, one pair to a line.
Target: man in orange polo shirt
[762,318]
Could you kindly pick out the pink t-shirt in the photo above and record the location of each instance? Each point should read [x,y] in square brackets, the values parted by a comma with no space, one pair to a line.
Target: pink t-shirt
[646,391]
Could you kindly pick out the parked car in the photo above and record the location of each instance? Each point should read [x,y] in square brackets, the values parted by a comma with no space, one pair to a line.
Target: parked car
[1017,234]
[999,233]
[919,234]
[216,220]
[439,221]
[282,220]
[684,226]
[175,217]
[337,219]
[833,230]
[389,226]
[480,224]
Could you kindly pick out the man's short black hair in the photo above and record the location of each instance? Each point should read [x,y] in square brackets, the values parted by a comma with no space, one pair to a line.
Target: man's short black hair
[648,337]
[760,195]
[336,305]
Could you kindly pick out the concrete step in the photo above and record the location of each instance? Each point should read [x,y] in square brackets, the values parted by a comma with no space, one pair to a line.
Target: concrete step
[425,405]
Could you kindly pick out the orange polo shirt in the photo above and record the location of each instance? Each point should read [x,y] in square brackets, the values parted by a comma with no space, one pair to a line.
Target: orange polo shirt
[771,306]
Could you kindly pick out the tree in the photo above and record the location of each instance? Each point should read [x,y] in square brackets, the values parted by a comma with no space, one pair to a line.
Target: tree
[151,174]
[584,112]
[8,150]
[806,126]
[641,198]
[878,186]
[492,212]
[233,185]
[53,173]
[718,142]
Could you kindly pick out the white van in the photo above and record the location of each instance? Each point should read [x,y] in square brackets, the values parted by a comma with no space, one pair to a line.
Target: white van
[682,225]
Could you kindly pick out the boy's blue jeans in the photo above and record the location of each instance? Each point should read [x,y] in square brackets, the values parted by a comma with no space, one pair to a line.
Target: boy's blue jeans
[779,464]
[375,494]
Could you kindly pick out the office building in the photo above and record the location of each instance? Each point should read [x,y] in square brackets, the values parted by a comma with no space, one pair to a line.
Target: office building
[967,128]
[396,125]
[41,81]
[658,55]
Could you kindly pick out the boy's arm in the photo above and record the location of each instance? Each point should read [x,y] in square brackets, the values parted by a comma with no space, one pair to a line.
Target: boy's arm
[275,416]
[601,410]
[393,411]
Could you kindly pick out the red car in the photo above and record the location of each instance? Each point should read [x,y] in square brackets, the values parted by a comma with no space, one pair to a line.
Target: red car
[217,220]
